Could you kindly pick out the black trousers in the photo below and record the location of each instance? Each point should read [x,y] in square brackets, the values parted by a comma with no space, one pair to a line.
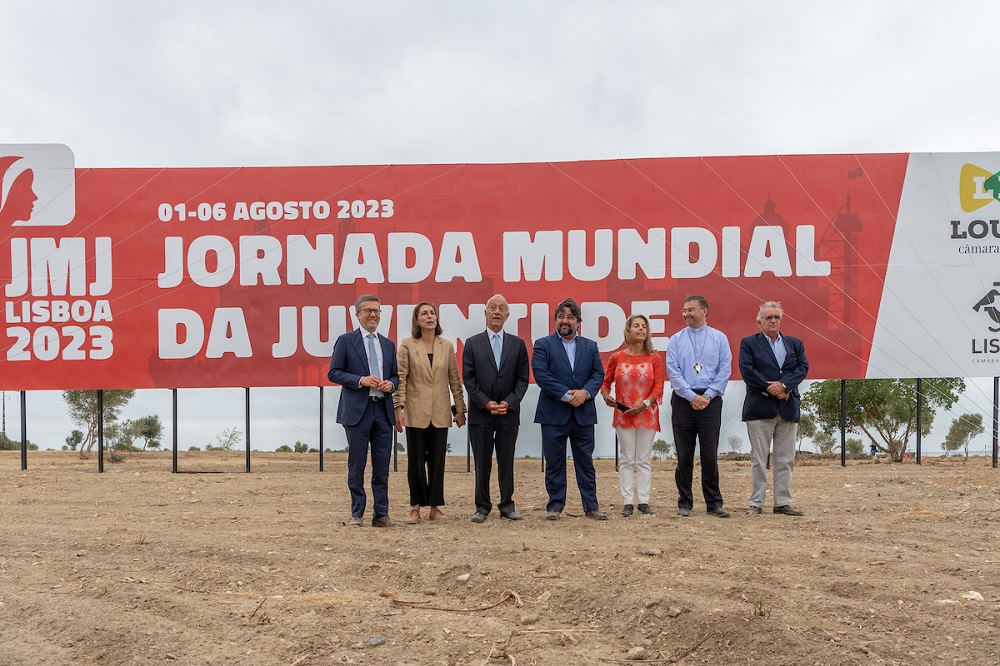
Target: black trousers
[426,450]
[487,438]
[702,427]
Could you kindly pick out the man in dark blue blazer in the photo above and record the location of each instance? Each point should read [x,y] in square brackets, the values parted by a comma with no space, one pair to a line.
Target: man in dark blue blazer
[364,364]
[495,373]
[569,373]
[773,365]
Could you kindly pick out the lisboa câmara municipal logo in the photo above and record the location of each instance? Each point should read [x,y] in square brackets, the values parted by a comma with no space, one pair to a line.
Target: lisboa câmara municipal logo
[990,306]
[37,185]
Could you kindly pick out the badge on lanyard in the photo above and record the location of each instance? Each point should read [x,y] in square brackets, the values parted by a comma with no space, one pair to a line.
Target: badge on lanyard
[698,367]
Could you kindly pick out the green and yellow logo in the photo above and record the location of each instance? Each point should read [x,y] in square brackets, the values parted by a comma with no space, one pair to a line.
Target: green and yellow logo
[977,187]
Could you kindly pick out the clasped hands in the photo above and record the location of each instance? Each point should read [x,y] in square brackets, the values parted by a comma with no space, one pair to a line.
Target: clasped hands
[631,411]
[497,408]
[371,381]
[700,402]
[777,389]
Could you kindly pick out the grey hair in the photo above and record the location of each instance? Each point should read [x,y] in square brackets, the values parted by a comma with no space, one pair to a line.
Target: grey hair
[769,304]
[362,299]
[495,297]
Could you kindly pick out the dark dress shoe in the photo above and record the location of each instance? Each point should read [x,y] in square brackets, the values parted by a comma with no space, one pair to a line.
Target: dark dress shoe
[355,521]
[754,511]
[645,510]
[684,512]
[718,512]
[512,515]
[627,510]
[383,521]
[788,510]
[596,514]
[478,517]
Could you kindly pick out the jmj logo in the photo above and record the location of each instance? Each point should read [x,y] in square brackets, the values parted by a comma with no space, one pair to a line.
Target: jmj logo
[37,185]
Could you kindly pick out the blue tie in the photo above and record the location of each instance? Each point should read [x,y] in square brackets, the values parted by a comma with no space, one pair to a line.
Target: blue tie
[496,349]
[373,363]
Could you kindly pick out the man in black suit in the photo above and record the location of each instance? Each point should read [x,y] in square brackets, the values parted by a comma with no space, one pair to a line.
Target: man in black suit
[495,373]
[364,364]
[773,365]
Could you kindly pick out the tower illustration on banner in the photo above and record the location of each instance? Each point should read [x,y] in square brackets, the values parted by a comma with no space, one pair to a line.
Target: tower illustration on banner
[839,245]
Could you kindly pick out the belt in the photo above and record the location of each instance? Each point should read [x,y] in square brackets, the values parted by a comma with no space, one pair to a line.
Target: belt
[699,391]
[376,398]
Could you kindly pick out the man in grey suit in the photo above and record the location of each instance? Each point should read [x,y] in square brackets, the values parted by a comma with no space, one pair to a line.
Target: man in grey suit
[773,365]
[495,373]
[364,364]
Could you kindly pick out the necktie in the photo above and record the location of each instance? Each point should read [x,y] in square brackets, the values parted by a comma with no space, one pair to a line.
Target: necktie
[496,349]
[373,362]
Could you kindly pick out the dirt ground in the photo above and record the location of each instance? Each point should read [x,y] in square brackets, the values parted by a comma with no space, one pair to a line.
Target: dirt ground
[892,564]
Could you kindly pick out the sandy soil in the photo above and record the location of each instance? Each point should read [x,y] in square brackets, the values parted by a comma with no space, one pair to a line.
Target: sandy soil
[141,566]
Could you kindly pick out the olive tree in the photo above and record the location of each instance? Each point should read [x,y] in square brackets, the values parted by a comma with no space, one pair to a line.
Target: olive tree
[962,431]
[884,410]
[83,412]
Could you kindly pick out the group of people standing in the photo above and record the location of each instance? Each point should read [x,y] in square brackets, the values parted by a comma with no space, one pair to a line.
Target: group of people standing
[419,389]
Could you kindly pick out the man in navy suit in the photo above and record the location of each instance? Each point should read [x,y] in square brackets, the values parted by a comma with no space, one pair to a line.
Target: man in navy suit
[773,365]
[495,373]
[364,364]
[569,373]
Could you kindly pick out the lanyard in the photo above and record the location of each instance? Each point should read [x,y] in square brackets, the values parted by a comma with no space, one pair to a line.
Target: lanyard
[696,352]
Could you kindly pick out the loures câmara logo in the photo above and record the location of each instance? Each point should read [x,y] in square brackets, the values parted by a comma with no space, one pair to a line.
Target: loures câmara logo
[977,187]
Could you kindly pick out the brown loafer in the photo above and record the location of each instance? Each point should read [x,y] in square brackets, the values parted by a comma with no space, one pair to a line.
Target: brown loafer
[413,518]
[435,514]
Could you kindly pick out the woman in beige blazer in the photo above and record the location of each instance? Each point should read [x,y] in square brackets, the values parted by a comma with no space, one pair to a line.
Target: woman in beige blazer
[428,369]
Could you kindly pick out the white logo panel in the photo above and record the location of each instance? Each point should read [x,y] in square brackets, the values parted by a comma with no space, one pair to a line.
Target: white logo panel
[37,185]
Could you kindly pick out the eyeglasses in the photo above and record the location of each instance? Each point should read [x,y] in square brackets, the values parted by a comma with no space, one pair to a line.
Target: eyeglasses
[771,317]
[371,311]
[562,316]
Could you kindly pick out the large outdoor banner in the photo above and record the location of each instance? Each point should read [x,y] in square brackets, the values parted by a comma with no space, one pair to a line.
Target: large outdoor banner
[887,265]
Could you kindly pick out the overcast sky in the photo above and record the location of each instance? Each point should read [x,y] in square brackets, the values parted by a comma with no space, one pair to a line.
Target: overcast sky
[184,83]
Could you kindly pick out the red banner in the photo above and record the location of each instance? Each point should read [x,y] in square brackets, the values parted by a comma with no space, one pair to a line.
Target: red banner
[246,276]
